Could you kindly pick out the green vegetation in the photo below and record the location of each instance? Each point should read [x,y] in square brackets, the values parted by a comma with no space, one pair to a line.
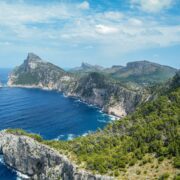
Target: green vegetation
[164,176]
[21,132]
[28,78]
[153,128]
[151,131]
[177,162]
[42,72]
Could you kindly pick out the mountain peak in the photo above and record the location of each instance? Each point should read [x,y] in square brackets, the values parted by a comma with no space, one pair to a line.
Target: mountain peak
[86,65]
[33,57]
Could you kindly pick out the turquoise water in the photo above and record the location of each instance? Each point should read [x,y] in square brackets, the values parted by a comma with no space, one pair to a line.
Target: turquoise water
[47,113]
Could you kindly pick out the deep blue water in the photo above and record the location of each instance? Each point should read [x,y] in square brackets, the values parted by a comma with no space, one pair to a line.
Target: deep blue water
[47,113]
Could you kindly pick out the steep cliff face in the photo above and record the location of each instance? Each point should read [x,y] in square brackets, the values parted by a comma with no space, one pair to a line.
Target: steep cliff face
[39,161]
[94,87]
[115,99]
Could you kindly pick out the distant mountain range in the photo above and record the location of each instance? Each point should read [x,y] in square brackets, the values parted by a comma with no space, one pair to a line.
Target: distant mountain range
[139,71]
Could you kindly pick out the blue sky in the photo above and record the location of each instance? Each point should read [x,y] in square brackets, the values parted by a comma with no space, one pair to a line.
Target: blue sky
[104,32]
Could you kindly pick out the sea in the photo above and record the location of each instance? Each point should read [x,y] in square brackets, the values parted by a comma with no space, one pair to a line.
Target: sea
[48,113]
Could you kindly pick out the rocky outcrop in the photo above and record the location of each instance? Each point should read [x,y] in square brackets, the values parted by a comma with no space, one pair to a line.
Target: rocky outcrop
[94,87]
[85,68]
[38,161]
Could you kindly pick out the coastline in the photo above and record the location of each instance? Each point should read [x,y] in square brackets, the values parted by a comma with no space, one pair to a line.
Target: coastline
[20,176]
[101,109]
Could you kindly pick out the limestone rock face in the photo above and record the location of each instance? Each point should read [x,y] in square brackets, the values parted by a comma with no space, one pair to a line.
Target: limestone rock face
[39,161]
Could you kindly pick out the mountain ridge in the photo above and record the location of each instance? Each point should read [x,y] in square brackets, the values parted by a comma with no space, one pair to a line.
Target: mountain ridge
[138,72]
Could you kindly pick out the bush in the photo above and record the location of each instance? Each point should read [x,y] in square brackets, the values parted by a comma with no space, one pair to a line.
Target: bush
[132,162]
[161,158]
[138,172]
[116,173]
[164,176]
[177,162]
[177,177]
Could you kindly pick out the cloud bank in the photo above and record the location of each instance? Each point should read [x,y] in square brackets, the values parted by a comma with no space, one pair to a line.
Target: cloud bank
[74,27]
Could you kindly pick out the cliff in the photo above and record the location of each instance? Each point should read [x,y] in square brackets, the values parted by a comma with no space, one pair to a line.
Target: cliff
[38,161]
[94,87]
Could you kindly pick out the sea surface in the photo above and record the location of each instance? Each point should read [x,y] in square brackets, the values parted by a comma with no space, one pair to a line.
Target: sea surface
[48,113]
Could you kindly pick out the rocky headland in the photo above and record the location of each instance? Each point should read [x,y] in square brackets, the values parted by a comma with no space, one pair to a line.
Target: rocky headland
[94,87]
[39,161]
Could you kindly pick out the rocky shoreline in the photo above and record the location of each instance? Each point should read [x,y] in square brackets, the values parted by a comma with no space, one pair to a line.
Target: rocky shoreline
[39,161]
[115,115]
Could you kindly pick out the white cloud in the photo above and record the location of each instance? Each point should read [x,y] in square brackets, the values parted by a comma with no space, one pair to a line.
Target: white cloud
[113,15]
[109,32]
[135,22]
[84,5]
[152,5]
[12,14]
[103,29]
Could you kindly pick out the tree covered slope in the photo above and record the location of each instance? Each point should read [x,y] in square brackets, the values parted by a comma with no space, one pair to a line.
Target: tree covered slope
[150,134]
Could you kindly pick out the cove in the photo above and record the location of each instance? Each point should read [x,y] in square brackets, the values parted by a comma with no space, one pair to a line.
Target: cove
[47,113]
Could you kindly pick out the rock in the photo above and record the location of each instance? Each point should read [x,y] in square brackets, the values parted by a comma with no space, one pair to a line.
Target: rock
[85,68]
[38,161]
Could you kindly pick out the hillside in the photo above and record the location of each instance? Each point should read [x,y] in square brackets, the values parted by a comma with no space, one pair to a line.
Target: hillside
[144,72]
[147,138]
[143,145]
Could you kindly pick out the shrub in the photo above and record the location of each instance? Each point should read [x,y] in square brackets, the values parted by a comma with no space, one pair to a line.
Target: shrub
[138,172]
[161,158]
[164,176]
[177,177]
[116,173]
[132,162]
[177,162]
